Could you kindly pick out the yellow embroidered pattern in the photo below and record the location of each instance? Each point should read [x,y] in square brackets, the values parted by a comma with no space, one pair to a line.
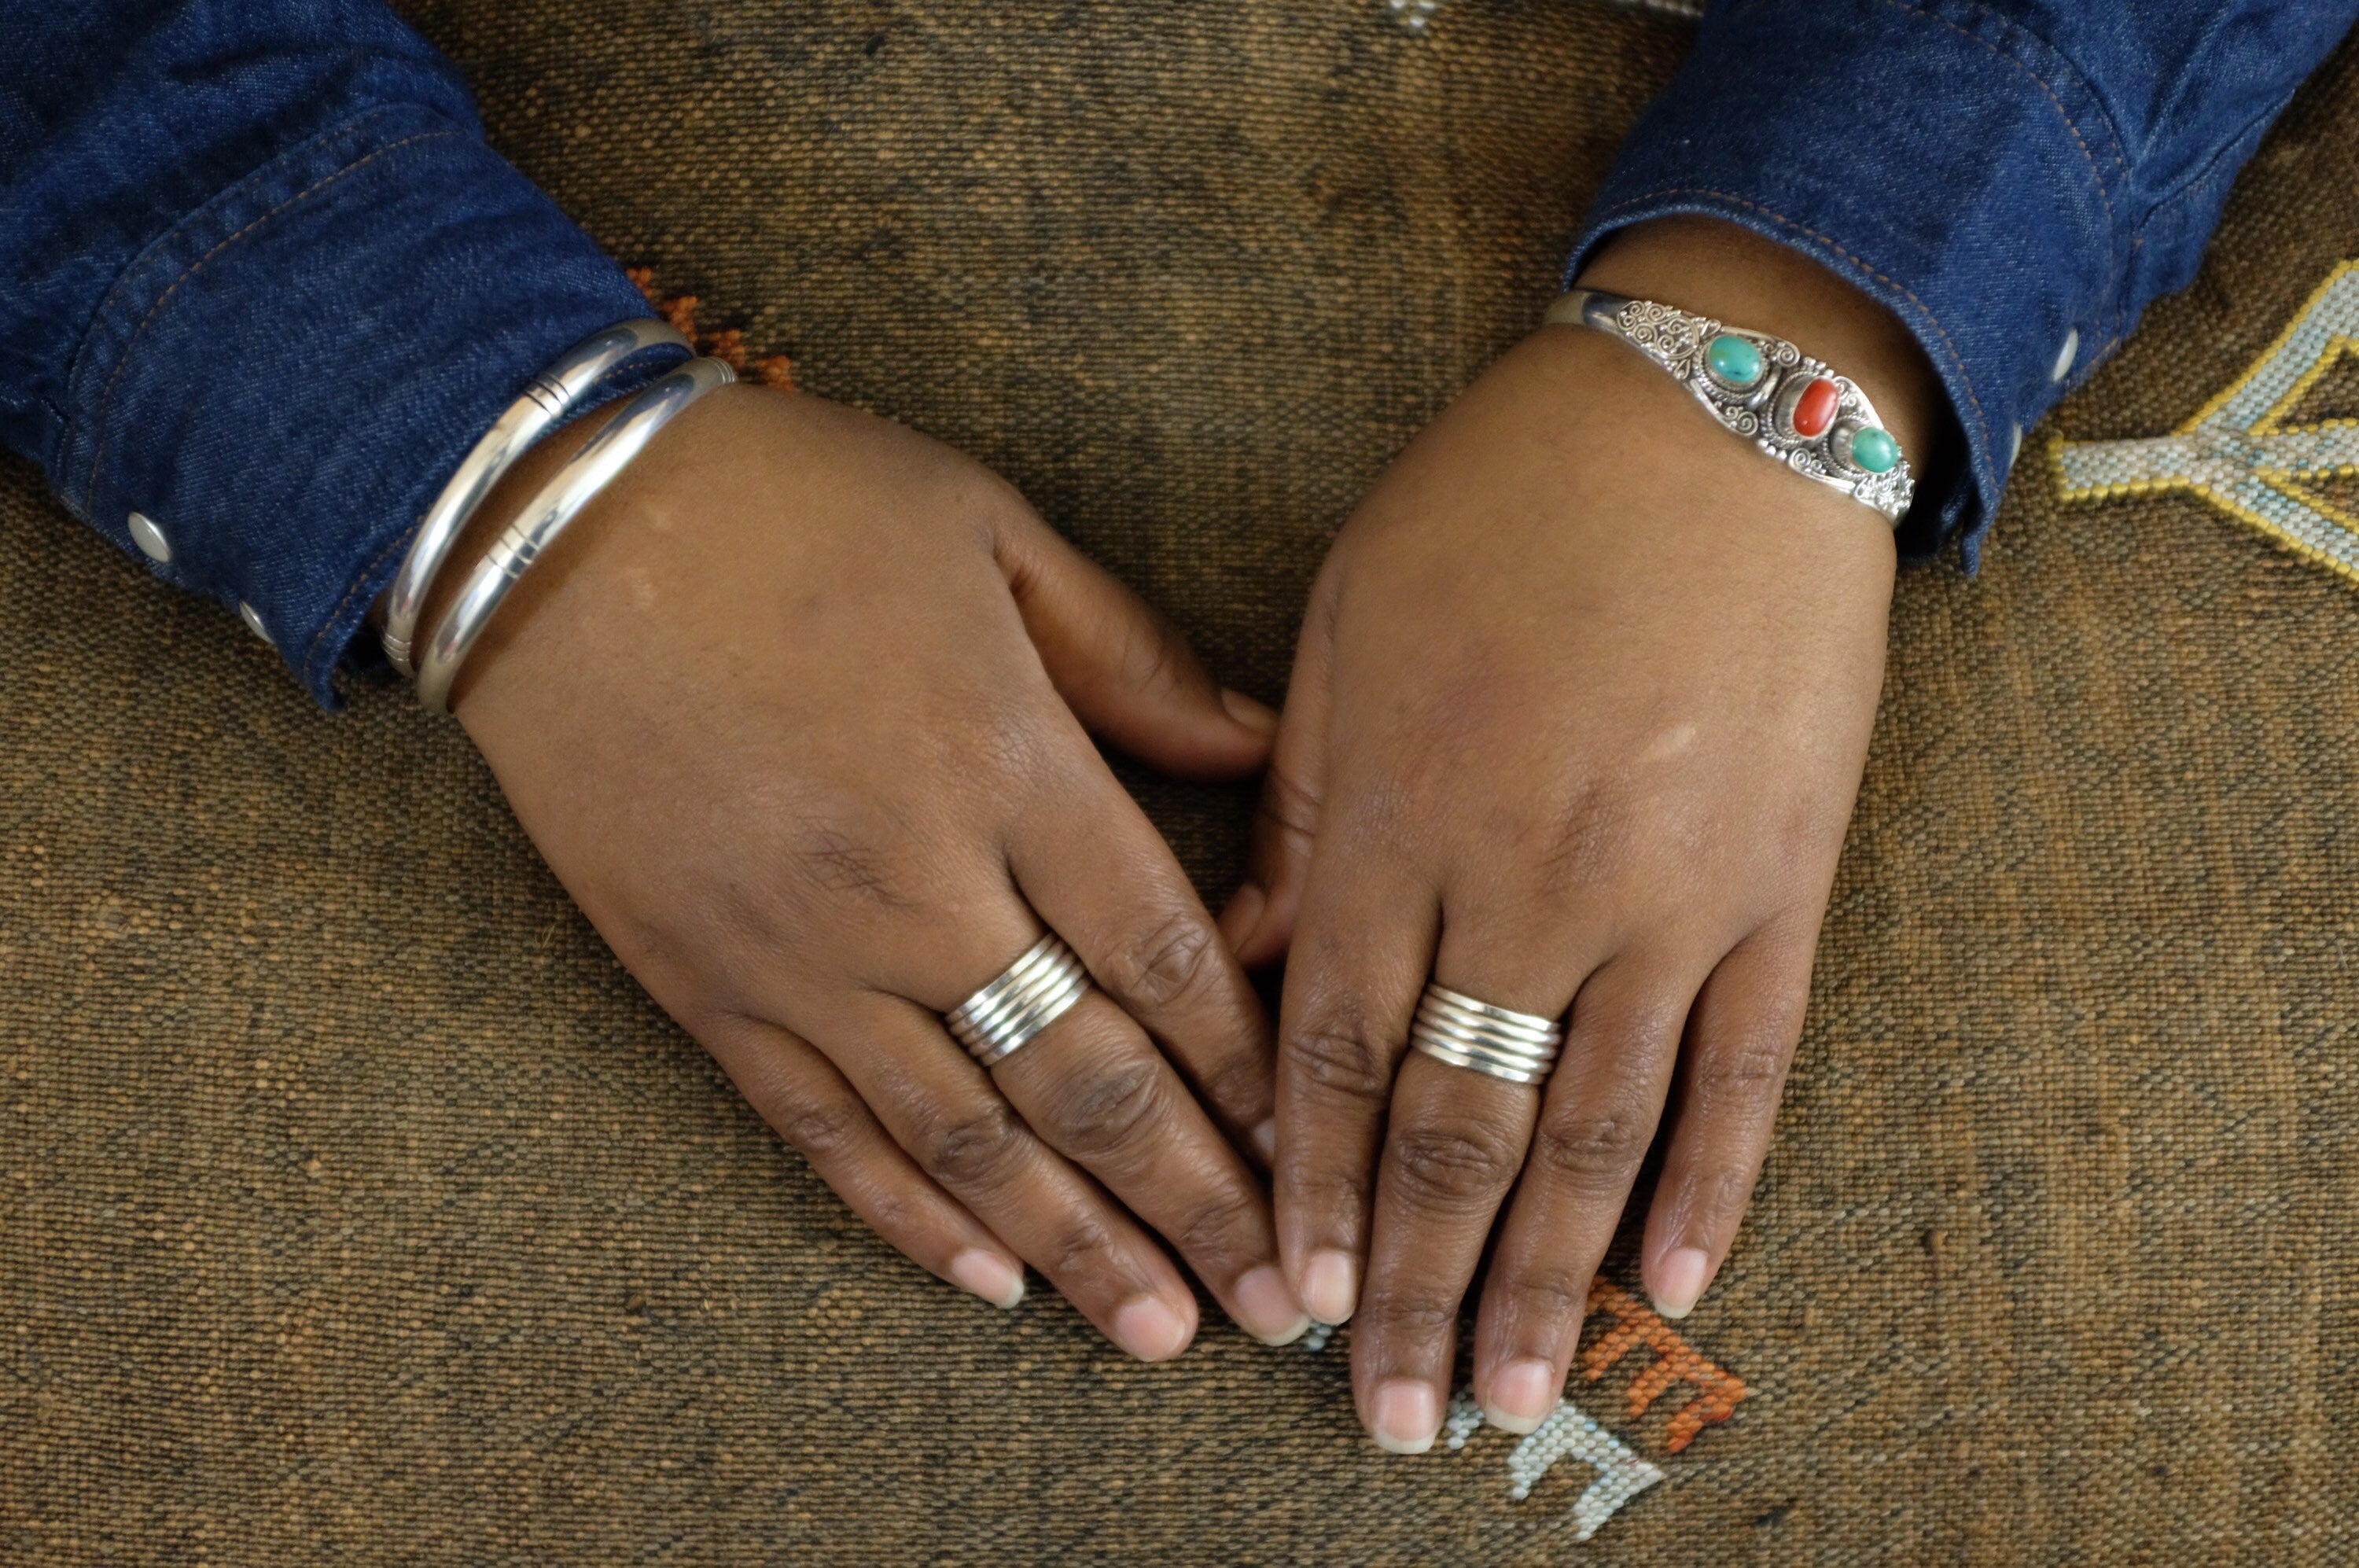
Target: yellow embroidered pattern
[2239,454]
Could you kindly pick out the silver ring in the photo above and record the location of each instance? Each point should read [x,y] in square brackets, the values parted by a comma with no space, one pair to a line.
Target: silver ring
[1453,1027]
[1029,994]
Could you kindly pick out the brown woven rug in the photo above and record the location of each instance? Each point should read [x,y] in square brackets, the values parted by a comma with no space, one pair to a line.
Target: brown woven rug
[356,1207]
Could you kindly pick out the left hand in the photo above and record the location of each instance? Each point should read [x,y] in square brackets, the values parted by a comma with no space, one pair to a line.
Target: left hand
[1578,715]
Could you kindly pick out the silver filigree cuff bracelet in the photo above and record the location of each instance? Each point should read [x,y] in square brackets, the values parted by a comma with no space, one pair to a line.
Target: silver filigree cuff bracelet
[1796,408]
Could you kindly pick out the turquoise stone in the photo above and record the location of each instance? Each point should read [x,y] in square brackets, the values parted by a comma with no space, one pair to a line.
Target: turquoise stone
[1733,361]
[1873,450]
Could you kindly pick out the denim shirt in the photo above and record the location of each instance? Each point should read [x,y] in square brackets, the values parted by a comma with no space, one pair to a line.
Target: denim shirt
[265,283]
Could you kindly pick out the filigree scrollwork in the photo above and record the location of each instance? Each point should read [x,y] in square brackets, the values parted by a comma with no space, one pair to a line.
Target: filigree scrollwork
[1761,410]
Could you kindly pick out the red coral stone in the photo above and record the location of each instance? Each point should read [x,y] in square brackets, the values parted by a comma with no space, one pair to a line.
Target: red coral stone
[1814,410]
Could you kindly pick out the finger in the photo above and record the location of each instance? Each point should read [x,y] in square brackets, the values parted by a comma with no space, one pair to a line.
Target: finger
[1123,667]
[1740,1039]
[946,1112]
[1360,960]
[1596,1120]
[1454,1143]
[1097,1090]
[1259,920]
[804,1098]
[1456,1140]
[1117,896]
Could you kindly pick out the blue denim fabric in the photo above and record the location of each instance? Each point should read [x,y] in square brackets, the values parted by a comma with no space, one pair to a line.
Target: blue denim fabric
[262,281]
[2006,176]
[265,283]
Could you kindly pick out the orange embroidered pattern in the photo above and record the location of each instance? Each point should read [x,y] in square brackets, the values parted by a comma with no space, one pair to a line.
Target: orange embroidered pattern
[1676,1361]
[728,345]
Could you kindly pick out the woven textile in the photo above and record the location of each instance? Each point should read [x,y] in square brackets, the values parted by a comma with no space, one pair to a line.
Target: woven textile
[356,1207]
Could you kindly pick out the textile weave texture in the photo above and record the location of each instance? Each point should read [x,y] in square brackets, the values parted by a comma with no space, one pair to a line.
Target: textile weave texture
[355,1206]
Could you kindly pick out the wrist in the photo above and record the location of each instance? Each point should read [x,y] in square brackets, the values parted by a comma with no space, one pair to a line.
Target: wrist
[501,507]
[1709,266]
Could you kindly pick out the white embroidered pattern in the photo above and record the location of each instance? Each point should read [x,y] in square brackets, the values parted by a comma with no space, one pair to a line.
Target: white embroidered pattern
[1568,1433]
[2239,454]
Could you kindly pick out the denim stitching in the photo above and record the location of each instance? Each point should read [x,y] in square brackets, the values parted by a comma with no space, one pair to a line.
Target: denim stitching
[107,308]
[2113,135]
[2205,177]
[2113,224]
[123,360]
[1949,347]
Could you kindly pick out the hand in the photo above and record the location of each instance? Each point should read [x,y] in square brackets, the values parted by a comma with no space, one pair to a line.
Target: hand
[1577,718]
[792,712]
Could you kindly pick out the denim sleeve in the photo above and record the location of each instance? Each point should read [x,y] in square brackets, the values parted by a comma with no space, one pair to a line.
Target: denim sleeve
[2016,179]
[263,284]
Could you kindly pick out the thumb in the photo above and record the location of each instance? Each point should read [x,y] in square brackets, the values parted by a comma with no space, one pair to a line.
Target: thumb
[1125,668]
[1259,920]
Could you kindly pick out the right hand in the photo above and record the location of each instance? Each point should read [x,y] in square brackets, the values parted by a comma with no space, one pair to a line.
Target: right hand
[796,712]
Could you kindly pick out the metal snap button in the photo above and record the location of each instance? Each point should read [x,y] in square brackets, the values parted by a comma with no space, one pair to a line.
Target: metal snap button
[2065,355]
[149,538]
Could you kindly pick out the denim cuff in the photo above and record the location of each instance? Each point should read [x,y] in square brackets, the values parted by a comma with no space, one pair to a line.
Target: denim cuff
[1938,156]
[280,384]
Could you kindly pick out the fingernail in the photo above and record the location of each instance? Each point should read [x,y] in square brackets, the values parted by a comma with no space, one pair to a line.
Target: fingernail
[1257,717]
[1331,1286]
[1407,1417]
[1678,1281]
[1523,1392]
[1264,1138]
[1243,917]
[1266,1310]
[1149,1330]
[989,1277]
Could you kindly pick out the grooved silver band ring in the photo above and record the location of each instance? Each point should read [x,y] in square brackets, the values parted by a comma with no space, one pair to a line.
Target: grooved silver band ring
[1029,994]
[1454,1028]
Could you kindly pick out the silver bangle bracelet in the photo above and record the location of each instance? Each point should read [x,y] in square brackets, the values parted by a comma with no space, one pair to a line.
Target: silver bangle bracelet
[551,395]
[1792,407]
[570,489]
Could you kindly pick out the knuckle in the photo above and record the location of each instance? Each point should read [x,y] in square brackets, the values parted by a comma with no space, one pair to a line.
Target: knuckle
[1594,1146]
[1716,1197]
[973,1150]
[1288,807]
[1213,1223]
[1739,1072]
[1550,1295]
[1085,1242]
[891,1215]
[1154,655]
[1322,1190]
[1237,1083]
[823,1130]
[1411,1313]
[1108,1112]
[1348,1057]
[1158,966]
[1451,1168]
